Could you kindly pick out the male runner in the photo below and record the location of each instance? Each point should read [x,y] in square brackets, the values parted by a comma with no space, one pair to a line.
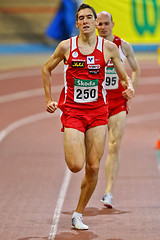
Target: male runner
[117,104]
[83,100]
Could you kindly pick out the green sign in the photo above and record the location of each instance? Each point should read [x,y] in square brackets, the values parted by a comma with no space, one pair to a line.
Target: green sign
[146,26]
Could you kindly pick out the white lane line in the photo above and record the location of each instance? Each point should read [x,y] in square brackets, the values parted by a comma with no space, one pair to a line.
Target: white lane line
[39,116]
[24,121]
[27,73]
[27,94]
[143,118]
[56,89]
[59,70]
[21,95]
[59,205]
[146,97]
[20,74]
[149,80]
[56,216]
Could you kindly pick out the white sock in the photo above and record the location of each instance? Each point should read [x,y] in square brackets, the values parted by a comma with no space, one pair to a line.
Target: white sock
[76,214]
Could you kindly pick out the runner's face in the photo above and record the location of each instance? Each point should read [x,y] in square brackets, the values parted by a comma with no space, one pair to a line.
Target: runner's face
[104,25]
[86,21]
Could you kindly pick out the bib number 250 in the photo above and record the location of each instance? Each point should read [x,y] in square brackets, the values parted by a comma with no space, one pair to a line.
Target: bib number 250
[85,90]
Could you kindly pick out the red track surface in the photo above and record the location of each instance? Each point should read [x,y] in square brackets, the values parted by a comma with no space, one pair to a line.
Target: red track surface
[37,198]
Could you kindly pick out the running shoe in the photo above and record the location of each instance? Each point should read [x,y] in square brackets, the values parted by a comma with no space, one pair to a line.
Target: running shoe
[107,200]
[78,224]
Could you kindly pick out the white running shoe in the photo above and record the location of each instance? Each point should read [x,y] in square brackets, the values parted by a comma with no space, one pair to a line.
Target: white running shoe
[78,224]
[107,200]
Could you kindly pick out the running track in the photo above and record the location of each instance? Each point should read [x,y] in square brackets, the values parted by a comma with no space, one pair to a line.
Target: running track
[37,192]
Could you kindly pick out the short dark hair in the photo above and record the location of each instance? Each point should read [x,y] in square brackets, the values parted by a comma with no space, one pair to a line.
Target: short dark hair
[83,6]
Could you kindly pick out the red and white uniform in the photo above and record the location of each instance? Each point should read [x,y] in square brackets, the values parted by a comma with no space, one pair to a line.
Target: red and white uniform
[84,78]
[83,98]
[116,102]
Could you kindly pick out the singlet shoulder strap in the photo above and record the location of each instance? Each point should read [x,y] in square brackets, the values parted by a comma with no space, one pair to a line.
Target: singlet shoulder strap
[122,55]
[73,43]
[100,44]
[118,42]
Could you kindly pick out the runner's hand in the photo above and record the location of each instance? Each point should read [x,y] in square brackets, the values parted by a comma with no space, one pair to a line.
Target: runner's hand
[128,93]
[51,107]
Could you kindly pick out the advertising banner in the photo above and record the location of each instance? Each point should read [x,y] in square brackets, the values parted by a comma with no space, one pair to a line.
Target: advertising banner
[136,21]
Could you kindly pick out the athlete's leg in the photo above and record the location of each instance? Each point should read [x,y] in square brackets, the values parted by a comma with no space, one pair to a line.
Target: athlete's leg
[74,149]
[116,126]
[95,143]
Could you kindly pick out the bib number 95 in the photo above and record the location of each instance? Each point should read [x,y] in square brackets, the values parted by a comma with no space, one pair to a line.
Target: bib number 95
[111,79]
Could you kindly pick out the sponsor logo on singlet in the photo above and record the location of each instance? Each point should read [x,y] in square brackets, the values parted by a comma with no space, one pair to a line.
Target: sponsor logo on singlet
[94,69]
[90,60]
[78,64]
[94,66]
[75,54]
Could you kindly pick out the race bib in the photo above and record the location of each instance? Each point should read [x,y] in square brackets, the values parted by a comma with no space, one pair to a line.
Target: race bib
[111,78]
[85,90]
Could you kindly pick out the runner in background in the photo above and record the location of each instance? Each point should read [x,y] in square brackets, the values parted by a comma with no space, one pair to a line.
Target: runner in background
[117,104]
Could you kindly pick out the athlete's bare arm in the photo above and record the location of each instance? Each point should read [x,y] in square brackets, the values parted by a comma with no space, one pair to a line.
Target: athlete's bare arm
[61,53]
[129,53]
[111,52]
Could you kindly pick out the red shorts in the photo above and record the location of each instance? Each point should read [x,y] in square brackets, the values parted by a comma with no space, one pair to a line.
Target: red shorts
[82,120]
[116,106]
